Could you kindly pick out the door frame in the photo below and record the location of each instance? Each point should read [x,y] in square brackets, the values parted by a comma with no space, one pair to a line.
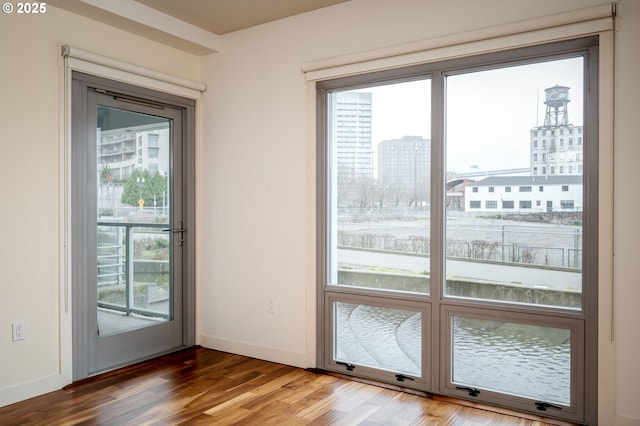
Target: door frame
[76,262]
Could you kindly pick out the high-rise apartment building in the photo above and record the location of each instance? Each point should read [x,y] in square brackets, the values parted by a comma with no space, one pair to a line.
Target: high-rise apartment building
[352,134]
[556,146]
[138,148]
[404,166]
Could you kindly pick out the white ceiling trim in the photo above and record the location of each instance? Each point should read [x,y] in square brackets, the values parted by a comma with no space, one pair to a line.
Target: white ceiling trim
[155,20]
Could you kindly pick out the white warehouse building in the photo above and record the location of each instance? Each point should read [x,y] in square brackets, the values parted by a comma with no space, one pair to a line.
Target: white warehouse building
[524,194]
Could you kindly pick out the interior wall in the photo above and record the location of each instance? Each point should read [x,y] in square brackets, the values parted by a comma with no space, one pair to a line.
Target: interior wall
[627,205]
[31,285]
[258,184]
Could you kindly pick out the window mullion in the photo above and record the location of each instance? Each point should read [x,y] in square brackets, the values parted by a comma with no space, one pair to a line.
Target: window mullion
[437,222]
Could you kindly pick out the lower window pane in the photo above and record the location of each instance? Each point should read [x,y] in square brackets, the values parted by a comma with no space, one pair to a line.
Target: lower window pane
[517,359]
[378,337]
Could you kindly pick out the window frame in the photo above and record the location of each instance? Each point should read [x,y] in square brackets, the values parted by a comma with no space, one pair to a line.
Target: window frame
[585,408]
[420,382]
[526,318]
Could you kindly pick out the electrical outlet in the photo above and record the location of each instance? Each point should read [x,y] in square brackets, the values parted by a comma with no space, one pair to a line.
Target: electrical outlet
[18,330]
[270,307]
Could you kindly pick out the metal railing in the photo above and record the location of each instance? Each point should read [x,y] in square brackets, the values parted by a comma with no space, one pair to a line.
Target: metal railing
[131,283]
[502,244]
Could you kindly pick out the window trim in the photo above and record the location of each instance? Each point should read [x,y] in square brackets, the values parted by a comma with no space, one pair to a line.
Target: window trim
[95,64]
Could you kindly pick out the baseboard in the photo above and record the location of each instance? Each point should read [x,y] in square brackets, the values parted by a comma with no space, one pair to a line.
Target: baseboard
[12,394]
[266,353]
[627,421]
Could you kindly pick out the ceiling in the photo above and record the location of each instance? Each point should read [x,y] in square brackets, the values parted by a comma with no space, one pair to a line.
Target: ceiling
[194,26]
[225,16]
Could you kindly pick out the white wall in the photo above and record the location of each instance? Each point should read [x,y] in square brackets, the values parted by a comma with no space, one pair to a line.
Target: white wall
[30,171]
[257,180]
[627,206]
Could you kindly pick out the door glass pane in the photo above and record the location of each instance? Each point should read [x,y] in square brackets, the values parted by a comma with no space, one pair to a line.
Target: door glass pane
[378,337]
[514,164]
[518,359]
[379,187]
[134,274]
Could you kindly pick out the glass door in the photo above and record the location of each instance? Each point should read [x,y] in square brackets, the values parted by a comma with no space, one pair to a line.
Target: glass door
[132,235]
[135,289]
[134,285]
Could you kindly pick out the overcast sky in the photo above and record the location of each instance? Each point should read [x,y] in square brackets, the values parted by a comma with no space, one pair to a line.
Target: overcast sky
[489,114]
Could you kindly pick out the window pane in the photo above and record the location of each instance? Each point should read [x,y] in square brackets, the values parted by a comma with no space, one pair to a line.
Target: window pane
[133,198]
[133,153]
[379,187]
[133,276]
[522,245]
[518,359]
[378,337]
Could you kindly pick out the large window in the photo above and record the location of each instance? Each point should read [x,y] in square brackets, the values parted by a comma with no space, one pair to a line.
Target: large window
[428,283]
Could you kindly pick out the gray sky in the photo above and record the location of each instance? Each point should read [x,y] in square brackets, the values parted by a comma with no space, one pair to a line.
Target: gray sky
[489,113]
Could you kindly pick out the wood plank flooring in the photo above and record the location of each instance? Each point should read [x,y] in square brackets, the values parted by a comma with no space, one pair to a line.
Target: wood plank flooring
[205,387]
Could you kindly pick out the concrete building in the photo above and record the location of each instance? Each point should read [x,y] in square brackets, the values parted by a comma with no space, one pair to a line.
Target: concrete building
[556,146]
[556,158]
[142,148]
[404,167]
[524,194]
[352,114]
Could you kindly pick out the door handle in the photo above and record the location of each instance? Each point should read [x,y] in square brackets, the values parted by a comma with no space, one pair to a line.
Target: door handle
[180,230]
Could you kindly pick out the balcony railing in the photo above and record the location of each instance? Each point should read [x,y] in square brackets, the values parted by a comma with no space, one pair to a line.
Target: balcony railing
[133,268]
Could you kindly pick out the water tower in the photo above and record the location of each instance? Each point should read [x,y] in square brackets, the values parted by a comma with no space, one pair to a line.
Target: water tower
[556,100]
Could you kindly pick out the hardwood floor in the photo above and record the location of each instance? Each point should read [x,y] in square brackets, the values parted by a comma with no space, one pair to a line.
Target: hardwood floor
[205,387]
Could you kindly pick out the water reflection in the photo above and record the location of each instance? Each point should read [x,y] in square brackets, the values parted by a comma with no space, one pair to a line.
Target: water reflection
[517,359]
[524,360]
[379,337]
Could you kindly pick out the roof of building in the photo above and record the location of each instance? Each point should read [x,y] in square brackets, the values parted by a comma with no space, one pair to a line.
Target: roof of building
[527,180]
